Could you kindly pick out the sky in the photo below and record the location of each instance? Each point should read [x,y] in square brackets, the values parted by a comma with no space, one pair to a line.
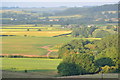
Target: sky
[55,3]
[60,0]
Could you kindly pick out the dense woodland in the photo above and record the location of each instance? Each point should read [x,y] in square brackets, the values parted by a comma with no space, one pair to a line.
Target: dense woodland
[89,57]
[94,31]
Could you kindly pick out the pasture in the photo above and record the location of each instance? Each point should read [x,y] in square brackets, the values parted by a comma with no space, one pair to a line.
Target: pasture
[21,45]
[30,64]
[30,45]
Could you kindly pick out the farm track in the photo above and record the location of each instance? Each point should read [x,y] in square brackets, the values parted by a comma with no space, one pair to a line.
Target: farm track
[44,47]
[48,49]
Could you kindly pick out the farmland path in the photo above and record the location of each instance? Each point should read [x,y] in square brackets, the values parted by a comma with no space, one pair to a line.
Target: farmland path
[48,49]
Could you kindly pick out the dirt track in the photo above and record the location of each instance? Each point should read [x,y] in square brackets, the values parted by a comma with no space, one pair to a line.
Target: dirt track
[44,47]
[48,49]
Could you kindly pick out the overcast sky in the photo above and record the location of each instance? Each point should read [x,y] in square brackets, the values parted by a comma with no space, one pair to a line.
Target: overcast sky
[60,0]
[55,3]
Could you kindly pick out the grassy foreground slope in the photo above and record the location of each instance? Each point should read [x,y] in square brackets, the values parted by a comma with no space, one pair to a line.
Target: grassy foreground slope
[30,64]
[38,68]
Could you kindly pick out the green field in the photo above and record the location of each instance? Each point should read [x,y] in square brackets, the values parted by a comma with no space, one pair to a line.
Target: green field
[32,45]
[30,64]
[38,68]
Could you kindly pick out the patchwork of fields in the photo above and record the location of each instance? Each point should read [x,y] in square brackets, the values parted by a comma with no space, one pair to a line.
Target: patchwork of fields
[32,43]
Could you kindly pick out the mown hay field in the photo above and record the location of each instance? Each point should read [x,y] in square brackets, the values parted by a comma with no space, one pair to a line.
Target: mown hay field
[15,29]
[36,33]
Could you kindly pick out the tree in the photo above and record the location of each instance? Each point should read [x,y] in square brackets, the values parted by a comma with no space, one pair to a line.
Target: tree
[108,47]
[68,69]
[78,52]
[39,29]
[51,25]
[28,30]
[104,61]
[73,47]
[83,32]
[101,34]
[83,61]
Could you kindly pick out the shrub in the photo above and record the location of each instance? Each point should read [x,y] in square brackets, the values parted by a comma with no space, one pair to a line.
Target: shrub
[108,69]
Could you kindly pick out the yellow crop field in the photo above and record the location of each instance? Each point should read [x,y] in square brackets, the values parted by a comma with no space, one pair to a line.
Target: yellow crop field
[11,30]
[36,33]
[2,11]
[65,16]
[24,25]
[12,27]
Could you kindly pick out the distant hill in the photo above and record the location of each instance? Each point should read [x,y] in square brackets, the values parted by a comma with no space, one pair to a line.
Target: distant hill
[61,15]
[90,10]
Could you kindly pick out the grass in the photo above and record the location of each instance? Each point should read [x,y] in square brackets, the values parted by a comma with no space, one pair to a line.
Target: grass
[32,45]
[30,64]
[39,68]
[29,45]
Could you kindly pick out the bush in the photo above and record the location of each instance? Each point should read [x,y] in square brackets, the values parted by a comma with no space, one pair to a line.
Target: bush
[108,69]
